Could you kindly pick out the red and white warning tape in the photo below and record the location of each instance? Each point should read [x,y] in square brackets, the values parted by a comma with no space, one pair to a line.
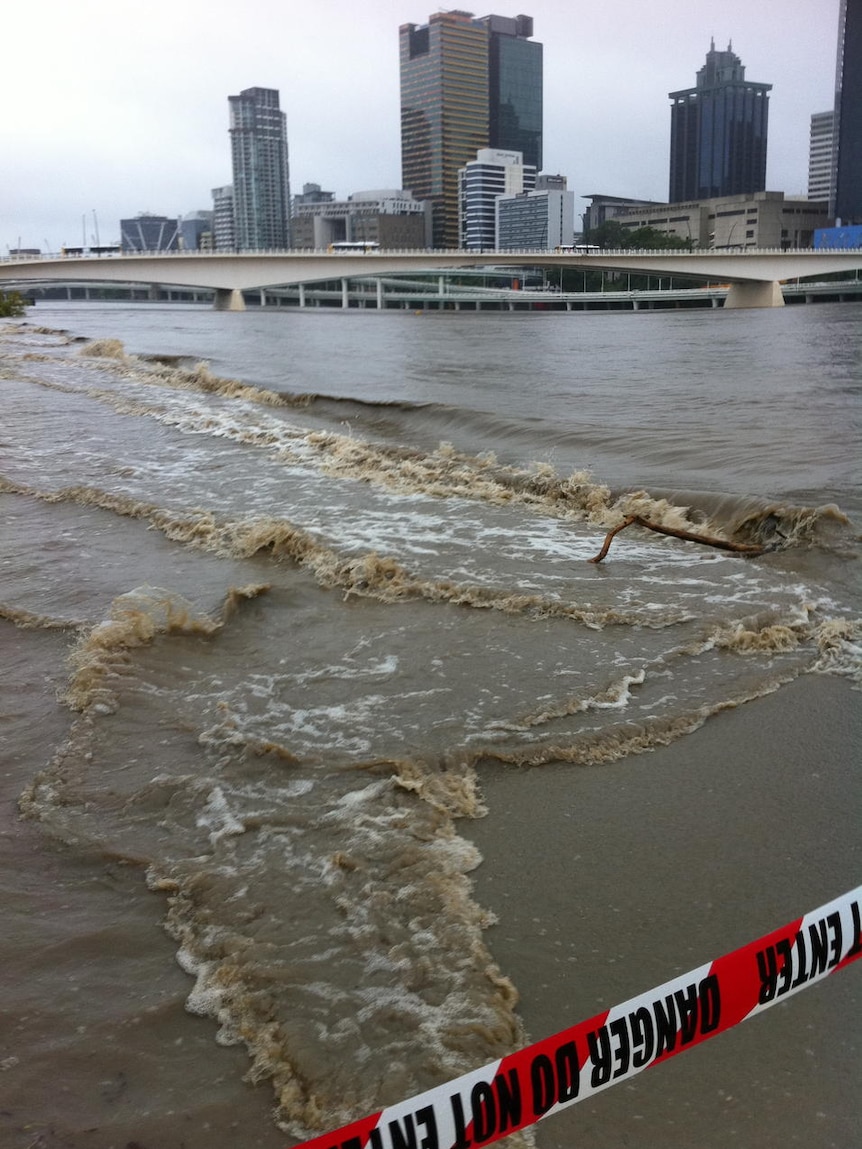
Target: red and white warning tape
[525,1087]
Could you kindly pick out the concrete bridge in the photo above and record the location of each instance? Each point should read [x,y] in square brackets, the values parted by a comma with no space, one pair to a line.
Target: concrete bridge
[755,276]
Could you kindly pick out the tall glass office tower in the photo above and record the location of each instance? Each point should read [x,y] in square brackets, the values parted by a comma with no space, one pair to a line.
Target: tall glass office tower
[466,84]
[261,183]
[514,87]
[718,132]
[848,114]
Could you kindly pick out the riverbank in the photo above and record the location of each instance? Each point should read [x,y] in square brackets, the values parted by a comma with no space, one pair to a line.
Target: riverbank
[610,880]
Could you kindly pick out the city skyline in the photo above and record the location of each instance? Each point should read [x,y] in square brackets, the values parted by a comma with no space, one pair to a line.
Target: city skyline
[108,128]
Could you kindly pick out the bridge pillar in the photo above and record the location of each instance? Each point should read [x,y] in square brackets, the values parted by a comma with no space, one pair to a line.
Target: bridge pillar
[229,299]
[755,293]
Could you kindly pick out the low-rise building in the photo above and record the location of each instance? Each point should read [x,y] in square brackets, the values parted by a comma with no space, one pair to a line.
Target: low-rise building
[390,218]
[536,220]
[148,232]
[765,219]
[601,208]
[312,193]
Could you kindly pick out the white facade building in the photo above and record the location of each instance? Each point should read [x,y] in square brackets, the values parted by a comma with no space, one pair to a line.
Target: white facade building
[493,173]
[390,217]
[223,230]
[821,157]
[536,220]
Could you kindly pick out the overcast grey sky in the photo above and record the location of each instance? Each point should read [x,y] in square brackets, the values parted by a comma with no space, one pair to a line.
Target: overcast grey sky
[114,107]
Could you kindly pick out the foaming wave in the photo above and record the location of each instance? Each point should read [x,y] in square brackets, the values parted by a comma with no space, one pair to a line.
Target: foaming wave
[102,655]
[599,747]
[165,372]
[369,575]
[104,349]
[325,915]
[446,473]
[839,644]
[823,526]
[764,522]
[833,644]
[29,620]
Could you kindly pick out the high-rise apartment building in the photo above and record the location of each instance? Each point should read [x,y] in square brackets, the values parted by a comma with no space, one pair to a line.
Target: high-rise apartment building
[821,147]
[261,183]
[718,132]
[848,114]
[466,84]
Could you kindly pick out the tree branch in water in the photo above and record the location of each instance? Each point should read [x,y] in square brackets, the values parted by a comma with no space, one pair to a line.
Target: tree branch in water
[706,540]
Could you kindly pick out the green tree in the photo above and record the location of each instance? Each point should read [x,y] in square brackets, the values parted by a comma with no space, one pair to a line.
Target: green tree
[12,304]
[612,235]
[609,236]
[654,240]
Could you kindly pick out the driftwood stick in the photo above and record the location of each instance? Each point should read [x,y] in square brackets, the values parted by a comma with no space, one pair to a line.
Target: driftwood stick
[606,545]
[707,540]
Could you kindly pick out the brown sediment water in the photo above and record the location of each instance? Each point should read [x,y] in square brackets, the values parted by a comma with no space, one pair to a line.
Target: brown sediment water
[606,883]
[315,704]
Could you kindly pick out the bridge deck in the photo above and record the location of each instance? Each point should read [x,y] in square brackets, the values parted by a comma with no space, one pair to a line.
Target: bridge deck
[756,274]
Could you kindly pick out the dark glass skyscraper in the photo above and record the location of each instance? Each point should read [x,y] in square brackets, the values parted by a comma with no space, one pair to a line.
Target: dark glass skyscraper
[514,87]
[848,114]
[718,132]
[466,84]
[261,184]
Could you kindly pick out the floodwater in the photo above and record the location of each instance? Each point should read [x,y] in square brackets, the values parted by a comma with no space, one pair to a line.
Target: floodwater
[287,601]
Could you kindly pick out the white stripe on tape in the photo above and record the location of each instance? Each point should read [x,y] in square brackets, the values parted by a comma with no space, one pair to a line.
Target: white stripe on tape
[524,1087]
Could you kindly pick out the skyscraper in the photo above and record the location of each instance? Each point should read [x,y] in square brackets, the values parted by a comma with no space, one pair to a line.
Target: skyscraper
[848,114]
[261,183]
[514,87]
[466,84]
[718,132]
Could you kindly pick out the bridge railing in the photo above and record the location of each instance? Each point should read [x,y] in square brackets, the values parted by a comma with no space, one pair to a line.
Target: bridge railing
[459,253]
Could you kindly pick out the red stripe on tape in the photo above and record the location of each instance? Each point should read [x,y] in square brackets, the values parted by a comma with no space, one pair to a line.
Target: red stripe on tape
[524,1087]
